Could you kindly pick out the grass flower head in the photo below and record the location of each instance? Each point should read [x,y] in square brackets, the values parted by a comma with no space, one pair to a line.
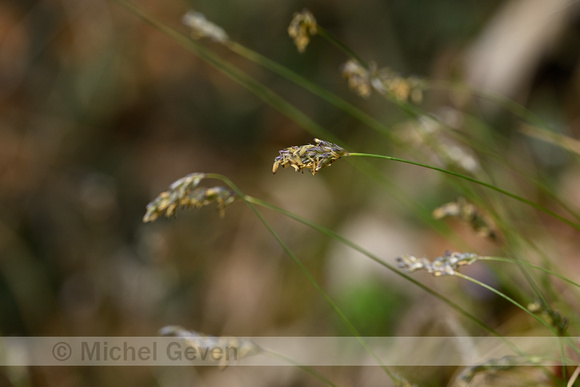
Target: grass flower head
[469,213]
[201,27]
[388,81]
[358,78]
[301,28]
[440,266]
[185,193]
[313,157]
[553,317]
[363,81]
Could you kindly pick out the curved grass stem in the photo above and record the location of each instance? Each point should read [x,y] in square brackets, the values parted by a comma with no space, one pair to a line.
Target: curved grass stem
[341,46]
[517,304]
[520,262]
[507,298]
[476,181]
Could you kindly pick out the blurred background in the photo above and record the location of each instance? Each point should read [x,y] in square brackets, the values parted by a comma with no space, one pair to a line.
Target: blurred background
[100,112]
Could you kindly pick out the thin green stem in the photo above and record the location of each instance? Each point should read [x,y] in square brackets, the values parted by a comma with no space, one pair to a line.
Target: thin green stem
[511,300]
[514,302]
[473,180]
[341,46]
[509,104]
[518,262]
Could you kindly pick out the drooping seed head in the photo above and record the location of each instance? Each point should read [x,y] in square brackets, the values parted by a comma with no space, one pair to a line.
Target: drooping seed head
[313,157]
[469,213]
[186,193]
[364,81]
[440,266]
[301,28]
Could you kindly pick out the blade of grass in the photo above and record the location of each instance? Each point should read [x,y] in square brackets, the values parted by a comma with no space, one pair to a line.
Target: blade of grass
[340,45]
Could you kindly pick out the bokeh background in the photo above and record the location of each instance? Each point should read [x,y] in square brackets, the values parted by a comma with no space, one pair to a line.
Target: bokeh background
[100,112]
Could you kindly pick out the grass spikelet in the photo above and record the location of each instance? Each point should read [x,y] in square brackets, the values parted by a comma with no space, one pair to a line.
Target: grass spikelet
[358,78]
[301,28]
[429,134]
[440,266]
[553,317]
[185,193]
[313,157]
[388,81]
[467,212]
[383,81]
[201,27]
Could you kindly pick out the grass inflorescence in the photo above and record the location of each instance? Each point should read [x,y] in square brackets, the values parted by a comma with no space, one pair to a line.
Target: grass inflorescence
[313,157]
[440,266]
[186,193]
[301,28]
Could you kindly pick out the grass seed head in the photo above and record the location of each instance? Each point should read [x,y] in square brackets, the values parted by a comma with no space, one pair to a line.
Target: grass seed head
[358,78]
[313,157]
[364,80]
[440,266]
[186,193]
[201,27]
[301,28]
[469,213]
[551,316]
